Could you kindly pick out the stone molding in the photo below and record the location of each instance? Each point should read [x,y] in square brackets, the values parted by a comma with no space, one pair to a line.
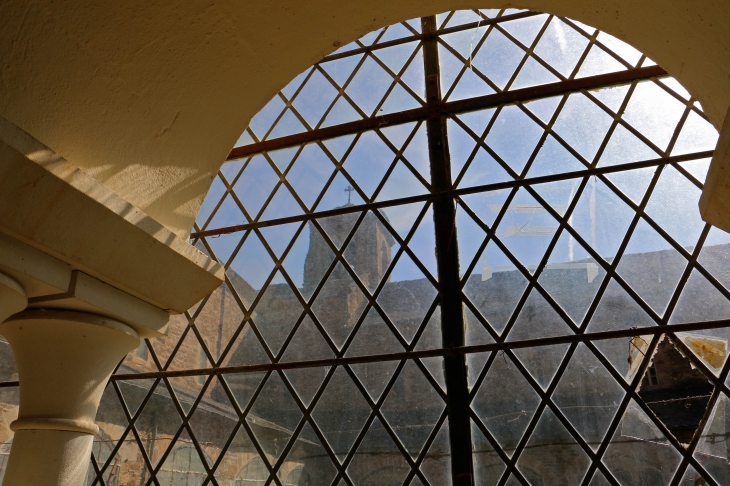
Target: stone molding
[54,207]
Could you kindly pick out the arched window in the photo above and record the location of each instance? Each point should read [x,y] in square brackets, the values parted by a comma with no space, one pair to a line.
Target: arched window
[183,467]
[253,473]
[294,478]
[501,207]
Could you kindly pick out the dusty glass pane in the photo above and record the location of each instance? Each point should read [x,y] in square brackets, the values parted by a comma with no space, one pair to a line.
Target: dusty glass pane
[8,368]
[673,205]
[371,251]
[368,161]
[274,416]
[691,477]
[702,301]
[651,266]
[255,184]
[715,255]
[213,421]
[374,337]
[277,312]
[341,413]
[675,390]
[639,453]
[573,280]
[412,408]
[561,46]
[310,172]
[712,450]
[461,145]
[488,465]
[495,287]
[436,464]
[242,462]
[339,305]
[583,125]
[505,403]
[654,112]
[618,310]
[533,73]
[552,456]
[599,61]
[307,462]
[501,137]
[217,321]
[116,450]
[369,86]
[377,460]
[183,464]
[314,98]
[370,296]
[554,158]
[527,229]
[431,338]
[112,424]
[588,396]
[620,48]
[538,319]
[307,344]
[497,59]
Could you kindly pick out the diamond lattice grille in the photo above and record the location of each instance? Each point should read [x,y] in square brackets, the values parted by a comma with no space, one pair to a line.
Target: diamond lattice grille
[438,242]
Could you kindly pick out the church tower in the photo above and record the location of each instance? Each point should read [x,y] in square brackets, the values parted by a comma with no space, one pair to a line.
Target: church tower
[369,254]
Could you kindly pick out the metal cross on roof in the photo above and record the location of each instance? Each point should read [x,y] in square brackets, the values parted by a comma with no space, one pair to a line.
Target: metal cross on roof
[349,190]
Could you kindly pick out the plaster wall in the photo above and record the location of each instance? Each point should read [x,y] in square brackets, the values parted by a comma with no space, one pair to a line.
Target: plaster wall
[148,97]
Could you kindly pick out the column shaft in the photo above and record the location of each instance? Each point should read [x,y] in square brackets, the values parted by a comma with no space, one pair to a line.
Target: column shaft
[64,361]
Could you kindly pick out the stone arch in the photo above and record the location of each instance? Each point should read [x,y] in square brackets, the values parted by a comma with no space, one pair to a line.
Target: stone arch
[176,93]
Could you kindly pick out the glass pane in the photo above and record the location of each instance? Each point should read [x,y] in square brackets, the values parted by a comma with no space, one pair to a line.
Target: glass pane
[412,408]
[552,455]
[639,453]
[505,403]
[365,283]
[588,396]
[712,451]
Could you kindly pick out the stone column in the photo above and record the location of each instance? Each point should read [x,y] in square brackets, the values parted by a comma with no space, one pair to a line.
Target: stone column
[64,361]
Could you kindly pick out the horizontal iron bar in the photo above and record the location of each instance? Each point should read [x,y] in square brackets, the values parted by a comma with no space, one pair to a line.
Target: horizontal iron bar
[430,35]
[433,353]
[552,89]
[451,107]
[455,193]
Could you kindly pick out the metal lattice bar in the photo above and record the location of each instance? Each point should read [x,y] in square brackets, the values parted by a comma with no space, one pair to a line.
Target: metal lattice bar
[447,256]
[452,107]
[454,193]
[444,197]
[431,353]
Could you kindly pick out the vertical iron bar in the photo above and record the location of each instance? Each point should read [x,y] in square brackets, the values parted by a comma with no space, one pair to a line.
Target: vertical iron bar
[447,256]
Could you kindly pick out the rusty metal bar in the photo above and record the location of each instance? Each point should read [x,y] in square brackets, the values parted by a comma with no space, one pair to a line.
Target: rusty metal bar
[430,353]
[451,107]
[424,36]
[447,259]
[453,193]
